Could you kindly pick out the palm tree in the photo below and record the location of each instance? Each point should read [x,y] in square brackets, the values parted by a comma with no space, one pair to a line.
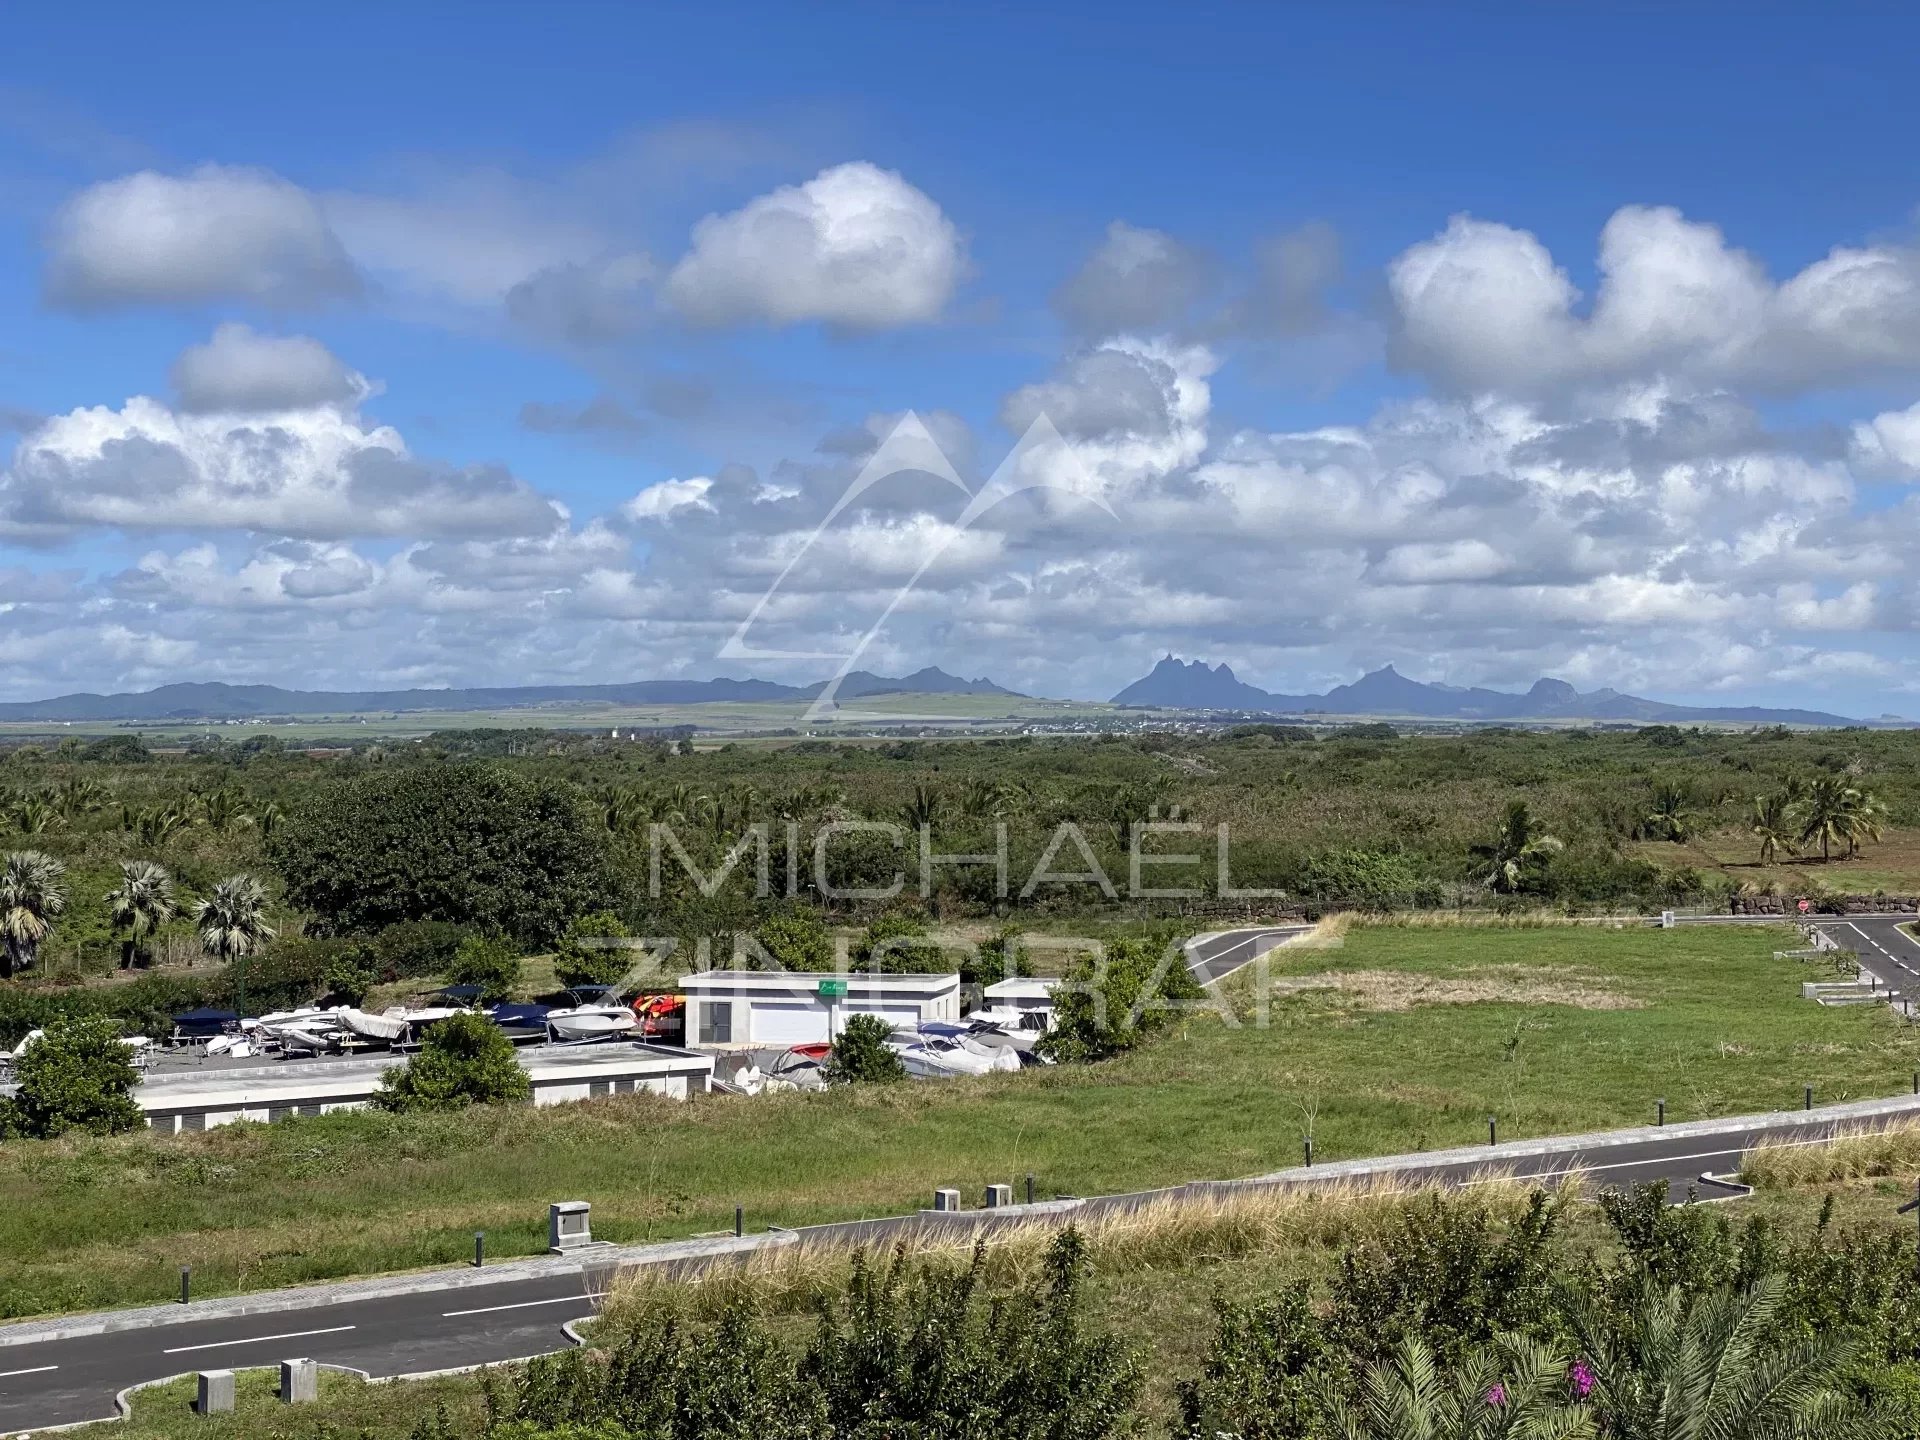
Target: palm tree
[1516,845]
[153,826]
[267,819]
[232,921]
[31,899]
[923,809]
[1772,825]
[1512,1390]
[1864,812]
[622,809]
[1824,814]
[221,808]
[1672,815]
[141,905]
[77,797]
[1710,1365]
[34,815]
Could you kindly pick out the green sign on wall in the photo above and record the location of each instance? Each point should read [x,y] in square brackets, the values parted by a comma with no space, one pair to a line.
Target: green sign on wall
[832,990]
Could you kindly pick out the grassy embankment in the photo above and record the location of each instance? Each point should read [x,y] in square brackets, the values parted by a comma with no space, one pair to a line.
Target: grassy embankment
[1430,1030]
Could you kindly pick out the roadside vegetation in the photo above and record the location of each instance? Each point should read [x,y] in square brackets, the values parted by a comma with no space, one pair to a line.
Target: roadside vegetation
[1496,1312]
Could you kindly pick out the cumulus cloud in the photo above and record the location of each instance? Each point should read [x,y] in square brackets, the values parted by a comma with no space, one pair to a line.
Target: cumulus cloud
[658,502]
[319,474]
[219,232]
[1136,280]
[856,246]
[586,303]
[242,371]
[1483,306]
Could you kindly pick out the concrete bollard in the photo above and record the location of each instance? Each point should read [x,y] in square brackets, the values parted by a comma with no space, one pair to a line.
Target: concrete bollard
[999,1196]
[299,1382]
[215,1392]
[569,1226]
[946,1199]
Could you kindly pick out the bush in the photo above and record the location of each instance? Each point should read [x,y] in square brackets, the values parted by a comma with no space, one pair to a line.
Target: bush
[579,962]
[416,948]
[77,1076]
[798,939]
[465,1060]
[888,946]
[861,1054]
[350,977]
[1111,1002]
[460,842]
[488,961]
[1368,880]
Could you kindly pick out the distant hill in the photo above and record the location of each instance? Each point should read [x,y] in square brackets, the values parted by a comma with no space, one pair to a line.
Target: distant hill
[1195,685]
[213,700]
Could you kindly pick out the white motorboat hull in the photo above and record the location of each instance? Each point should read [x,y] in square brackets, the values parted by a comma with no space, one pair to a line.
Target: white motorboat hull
[591,1024]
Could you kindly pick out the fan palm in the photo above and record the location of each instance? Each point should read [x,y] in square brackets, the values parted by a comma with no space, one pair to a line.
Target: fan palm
[1772,825]
[32,898]
[232,921]
[1512,1390]
[138,908]
[1517,844]
[1688,1368]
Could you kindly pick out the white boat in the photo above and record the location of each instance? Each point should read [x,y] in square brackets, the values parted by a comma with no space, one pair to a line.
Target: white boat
[387,1028]
[591,1022]
[934,1057]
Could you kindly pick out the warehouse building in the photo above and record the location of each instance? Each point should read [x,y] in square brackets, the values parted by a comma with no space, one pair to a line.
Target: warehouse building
[729,1008]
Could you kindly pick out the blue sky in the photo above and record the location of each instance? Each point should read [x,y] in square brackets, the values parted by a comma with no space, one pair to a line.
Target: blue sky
[399,281]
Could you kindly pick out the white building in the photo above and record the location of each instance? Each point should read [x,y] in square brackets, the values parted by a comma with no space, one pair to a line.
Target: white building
[791,1007]
[1029,997]
[177,1100]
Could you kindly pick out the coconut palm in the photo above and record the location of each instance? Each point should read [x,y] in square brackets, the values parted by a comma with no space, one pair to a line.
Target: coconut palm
[138,908]
[1824,814]
[622,809]
[1772,825]
[232,921]
[1512,1390]
[1672,815]
[1679,1366]
[923,809]
[1517,844]
[1864,812]
[153,826]
[32,898]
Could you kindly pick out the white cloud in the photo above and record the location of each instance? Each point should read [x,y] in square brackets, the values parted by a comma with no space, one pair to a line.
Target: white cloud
[856,246]
[1135,280]
[241,371]
[1483,306]
[317,474]
[219,232]
[657,502]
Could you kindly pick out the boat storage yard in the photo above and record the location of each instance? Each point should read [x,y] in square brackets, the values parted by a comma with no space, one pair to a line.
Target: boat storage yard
[773,1008]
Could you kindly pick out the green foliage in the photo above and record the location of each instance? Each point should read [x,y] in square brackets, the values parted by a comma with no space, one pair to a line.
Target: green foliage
[1367,880]
[490,961]
[472,844]
[465,1060]
[797,938]
[349,977]
[79,1075]
[888,945]
[415,948]
[861,1054]
[1265,1374]
[579,962]
[1112,1001]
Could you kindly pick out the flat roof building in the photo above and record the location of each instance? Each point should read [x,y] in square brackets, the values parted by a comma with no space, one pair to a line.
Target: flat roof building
[791,1007]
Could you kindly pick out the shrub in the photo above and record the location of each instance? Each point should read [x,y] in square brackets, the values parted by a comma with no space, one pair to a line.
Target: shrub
[350,977]
[1113,1001]
[861,1054]
[1263,1375]
[416,948]
[580,962]
[888,946]
[465,1060]
[488,961]
[798,939]
[77,1076]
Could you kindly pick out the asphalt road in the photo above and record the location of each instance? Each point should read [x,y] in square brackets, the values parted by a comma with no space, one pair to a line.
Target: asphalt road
[1218,956]
[1883,947]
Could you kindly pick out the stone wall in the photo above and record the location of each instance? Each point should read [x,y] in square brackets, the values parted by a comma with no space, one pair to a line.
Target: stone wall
[1789,905]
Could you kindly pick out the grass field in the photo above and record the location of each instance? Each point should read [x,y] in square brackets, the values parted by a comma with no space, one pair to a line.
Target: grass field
[1398,1039]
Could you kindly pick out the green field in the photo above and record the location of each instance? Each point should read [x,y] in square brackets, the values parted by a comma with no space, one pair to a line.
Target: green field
[1717,1027]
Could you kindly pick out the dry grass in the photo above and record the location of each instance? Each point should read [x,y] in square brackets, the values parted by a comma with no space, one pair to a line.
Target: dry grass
[1167,1235]
[1478,920]
[1396,991]
[1890,1150]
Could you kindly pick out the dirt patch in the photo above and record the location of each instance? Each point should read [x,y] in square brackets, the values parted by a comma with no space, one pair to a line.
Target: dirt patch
[1397,990]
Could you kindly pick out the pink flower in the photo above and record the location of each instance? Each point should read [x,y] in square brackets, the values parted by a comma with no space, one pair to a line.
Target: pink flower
[1583,1379]
[1497,1395]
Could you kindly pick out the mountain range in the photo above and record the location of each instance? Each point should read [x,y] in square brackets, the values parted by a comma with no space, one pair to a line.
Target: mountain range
[1195,685]
[214,700]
